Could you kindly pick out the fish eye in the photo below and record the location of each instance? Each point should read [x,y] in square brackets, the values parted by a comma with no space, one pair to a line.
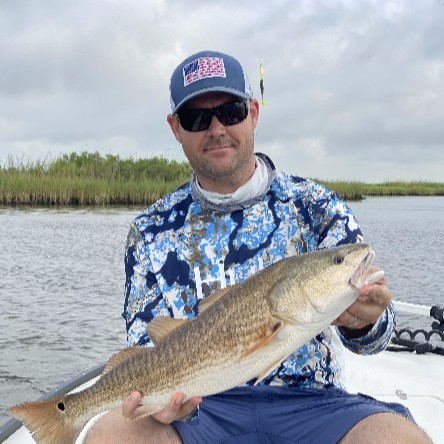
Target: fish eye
[61,406]
[338,260]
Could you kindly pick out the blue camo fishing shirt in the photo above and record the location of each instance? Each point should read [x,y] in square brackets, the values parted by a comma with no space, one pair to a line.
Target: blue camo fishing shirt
[178,252]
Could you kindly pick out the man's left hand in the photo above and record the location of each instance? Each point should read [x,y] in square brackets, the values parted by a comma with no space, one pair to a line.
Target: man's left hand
[368,308]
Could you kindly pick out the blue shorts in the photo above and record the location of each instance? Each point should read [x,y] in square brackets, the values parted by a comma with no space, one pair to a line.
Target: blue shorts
[280,415]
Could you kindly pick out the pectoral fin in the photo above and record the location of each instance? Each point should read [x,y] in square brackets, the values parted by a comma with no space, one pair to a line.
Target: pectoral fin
[145,410]
[264,341]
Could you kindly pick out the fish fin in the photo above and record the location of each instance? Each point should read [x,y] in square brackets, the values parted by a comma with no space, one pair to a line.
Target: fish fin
[210,300]
[146,410]
[264,341]
[268,370]
[123,355]
[48,421]
[159,328]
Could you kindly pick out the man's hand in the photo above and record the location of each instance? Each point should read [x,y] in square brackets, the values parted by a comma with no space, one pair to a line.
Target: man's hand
[175,410]
[368,308]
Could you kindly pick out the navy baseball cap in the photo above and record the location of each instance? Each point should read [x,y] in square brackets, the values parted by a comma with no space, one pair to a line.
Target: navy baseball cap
[207,71]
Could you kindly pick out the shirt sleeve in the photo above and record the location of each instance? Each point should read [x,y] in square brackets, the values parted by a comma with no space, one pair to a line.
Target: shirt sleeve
[339,226]
[143,298]
[377,339]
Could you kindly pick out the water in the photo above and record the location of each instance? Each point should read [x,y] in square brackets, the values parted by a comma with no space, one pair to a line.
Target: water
[407,234]
[62,277]
[61,293]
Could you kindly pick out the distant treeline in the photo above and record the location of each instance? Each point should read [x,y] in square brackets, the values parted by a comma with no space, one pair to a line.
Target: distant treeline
[93,179]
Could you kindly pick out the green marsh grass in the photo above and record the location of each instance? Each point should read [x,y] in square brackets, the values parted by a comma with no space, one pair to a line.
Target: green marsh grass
[93,179]
[90,179]
[358,190]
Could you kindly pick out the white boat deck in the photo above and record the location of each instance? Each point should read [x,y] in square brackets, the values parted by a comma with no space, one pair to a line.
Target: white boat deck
[413,380]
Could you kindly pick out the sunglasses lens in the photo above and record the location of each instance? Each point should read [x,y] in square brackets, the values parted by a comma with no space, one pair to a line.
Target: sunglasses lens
[230,113]
[195,119]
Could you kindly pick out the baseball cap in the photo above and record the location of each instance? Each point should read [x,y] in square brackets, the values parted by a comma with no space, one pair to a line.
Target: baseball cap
[207,71]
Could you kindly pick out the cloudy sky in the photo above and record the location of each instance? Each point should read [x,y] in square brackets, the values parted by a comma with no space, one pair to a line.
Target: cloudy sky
[354,89]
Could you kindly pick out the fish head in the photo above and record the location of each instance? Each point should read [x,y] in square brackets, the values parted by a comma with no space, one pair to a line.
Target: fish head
[315,288]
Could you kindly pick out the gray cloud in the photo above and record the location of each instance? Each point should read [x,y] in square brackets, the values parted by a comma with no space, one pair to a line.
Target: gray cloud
[354,90]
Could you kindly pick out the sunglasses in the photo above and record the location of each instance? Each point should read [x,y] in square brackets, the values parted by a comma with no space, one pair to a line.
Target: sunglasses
[199,119]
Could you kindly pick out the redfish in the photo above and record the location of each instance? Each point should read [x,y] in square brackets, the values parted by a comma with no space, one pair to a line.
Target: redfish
[241,333]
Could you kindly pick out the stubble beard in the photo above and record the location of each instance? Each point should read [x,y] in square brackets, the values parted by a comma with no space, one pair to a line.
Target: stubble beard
[234,172]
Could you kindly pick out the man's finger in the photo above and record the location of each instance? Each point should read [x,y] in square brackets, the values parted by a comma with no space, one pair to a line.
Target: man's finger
[131,404]
[189,406]
[172,411]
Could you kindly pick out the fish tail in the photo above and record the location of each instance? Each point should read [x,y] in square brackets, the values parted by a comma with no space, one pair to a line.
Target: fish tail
[49,422]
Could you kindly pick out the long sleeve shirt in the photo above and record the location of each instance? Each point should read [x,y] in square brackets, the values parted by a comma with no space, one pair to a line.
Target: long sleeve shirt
[179,252]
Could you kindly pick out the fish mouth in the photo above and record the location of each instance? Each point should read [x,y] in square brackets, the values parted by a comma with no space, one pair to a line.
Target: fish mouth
[361,276]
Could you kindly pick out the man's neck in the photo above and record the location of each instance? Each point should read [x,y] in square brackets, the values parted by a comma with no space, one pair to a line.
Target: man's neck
[226,185]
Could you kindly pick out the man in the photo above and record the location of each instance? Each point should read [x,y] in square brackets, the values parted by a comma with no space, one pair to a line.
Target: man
[238,215]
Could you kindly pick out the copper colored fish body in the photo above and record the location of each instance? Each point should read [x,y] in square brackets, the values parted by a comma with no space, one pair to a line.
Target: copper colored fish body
[242,333]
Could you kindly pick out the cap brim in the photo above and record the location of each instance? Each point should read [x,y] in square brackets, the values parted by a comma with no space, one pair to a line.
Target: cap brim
[221,89]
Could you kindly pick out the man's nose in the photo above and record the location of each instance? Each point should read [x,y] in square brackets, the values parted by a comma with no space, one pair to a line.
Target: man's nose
[216,127]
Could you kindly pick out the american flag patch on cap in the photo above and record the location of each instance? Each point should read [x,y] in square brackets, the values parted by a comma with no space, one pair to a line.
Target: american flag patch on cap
[203,68]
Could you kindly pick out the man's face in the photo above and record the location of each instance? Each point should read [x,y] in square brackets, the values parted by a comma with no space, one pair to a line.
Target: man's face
[221,156]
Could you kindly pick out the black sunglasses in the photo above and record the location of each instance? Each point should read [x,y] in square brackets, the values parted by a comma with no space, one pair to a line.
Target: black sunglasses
[199,119]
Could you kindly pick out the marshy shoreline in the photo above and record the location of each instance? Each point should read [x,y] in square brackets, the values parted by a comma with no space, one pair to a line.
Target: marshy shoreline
[84,179]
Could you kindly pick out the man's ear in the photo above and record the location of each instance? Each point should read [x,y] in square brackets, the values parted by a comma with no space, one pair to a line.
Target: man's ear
[173,121]
[254,112]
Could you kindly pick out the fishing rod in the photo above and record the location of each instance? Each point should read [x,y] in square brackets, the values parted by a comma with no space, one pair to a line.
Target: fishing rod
[407,307]
[435,311]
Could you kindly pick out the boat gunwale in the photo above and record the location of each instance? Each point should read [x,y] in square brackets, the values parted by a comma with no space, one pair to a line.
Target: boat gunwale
[12,425]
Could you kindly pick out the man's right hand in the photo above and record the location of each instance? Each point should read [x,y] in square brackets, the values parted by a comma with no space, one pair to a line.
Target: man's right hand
[174,411]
